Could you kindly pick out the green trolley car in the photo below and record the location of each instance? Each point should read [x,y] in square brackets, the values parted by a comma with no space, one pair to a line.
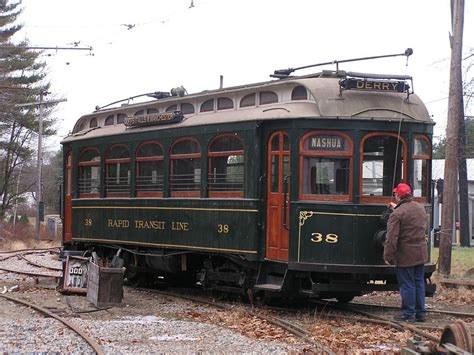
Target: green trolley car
[275,188]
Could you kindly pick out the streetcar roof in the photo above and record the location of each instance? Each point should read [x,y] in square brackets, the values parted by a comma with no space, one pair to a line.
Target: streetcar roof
[325,100]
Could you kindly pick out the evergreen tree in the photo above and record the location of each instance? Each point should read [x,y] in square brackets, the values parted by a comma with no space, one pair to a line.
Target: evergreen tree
[22,79]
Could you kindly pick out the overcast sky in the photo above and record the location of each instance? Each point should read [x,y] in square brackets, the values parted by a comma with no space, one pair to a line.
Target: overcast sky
[168,44]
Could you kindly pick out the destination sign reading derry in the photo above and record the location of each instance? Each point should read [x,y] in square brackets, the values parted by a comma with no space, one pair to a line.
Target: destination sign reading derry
[154,119]
[332,143]
[374,85]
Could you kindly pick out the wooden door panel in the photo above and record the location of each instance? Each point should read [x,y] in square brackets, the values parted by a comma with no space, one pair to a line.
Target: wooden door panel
[277,237]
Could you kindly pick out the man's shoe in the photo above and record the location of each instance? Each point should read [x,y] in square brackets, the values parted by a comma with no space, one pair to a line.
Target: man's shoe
[420,319]
[402,318]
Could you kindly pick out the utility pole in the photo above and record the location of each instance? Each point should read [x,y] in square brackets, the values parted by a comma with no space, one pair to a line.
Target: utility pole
[39,167]
[452,131]
[39,162]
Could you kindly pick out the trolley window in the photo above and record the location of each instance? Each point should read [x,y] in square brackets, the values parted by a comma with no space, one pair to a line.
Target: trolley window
[268,97]
[139,113]
[109,121]
[151,110]
[121,118]
[93,122]
[149,173]
[326,163]
[421,166]
[383,165]
[172,108]
[185,179]
[117,171]
[299,93]
[224,103]
[207,106]
[68,178]
[89,173]
[226,166]
[187,108]
[248,100]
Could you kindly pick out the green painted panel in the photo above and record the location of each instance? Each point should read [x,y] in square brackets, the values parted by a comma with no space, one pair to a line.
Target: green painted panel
[333,235]
[181,225]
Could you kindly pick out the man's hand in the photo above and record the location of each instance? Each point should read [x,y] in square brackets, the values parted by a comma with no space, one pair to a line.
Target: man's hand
[387,263]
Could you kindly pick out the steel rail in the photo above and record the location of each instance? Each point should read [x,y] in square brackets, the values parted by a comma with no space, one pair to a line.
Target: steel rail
[291,328]
[28,273]
[33,250]
[398,325]
[71,326]
[13,253]
[454,313]
[39,265]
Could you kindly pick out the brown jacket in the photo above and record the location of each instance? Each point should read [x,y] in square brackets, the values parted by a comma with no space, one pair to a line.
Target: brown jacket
[405,244]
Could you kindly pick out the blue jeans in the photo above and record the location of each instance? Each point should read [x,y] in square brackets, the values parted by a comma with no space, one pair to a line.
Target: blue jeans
[411,281]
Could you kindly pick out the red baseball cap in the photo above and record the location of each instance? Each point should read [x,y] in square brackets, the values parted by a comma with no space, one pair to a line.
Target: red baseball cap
[402,190]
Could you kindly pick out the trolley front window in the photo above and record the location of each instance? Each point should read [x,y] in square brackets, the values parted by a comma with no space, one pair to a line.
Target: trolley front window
[226,167]
[117,179]
[326,163]
[149,179]
[421,166]
[89,173]
[185,179]
[383,164]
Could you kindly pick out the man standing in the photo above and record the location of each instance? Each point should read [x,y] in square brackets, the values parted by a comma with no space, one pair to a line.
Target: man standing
[405,247]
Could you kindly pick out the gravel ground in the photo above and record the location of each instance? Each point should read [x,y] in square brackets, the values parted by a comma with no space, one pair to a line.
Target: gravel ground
[147,322]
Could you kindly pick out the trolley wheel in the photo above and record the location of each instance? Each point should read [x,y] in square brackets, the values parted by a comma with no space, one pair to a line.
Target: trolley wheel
[457,334]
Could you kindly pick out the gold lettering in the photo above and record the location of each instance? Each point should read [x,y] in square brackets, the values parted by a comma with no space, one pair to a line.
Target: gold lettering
[331,238]
[360,84]
[316,237]
[377,86]
[141,224]
[385,86]
[180,226]
[118,223]
[223,228]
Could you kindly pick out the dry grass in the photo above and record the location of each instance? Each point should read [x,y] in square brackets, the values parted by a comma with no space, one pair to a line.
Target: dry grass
[462,260]
[22,236]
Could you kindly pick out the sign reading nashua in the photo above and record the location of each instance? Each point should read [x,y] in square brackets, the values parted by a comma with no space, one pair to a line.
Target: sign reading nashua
[154,119]
[327,143]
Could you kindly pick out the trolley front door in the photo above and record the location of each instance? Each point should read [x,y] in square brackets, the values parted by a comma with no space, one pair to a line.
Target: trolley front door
[68,198]
[277,185]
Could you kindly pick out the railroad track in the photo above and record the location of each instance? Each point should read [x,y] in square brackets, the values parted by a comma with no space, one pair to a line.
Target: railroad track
[12,253]
[326,310]
[92,343]
[290,327]
[430,310]
[38,270]
[374,318]
[453,283]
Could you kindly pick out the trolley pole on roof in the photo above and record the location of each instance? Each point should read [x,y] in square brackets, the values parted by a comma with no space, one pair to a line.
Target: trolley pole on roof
[452,130]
